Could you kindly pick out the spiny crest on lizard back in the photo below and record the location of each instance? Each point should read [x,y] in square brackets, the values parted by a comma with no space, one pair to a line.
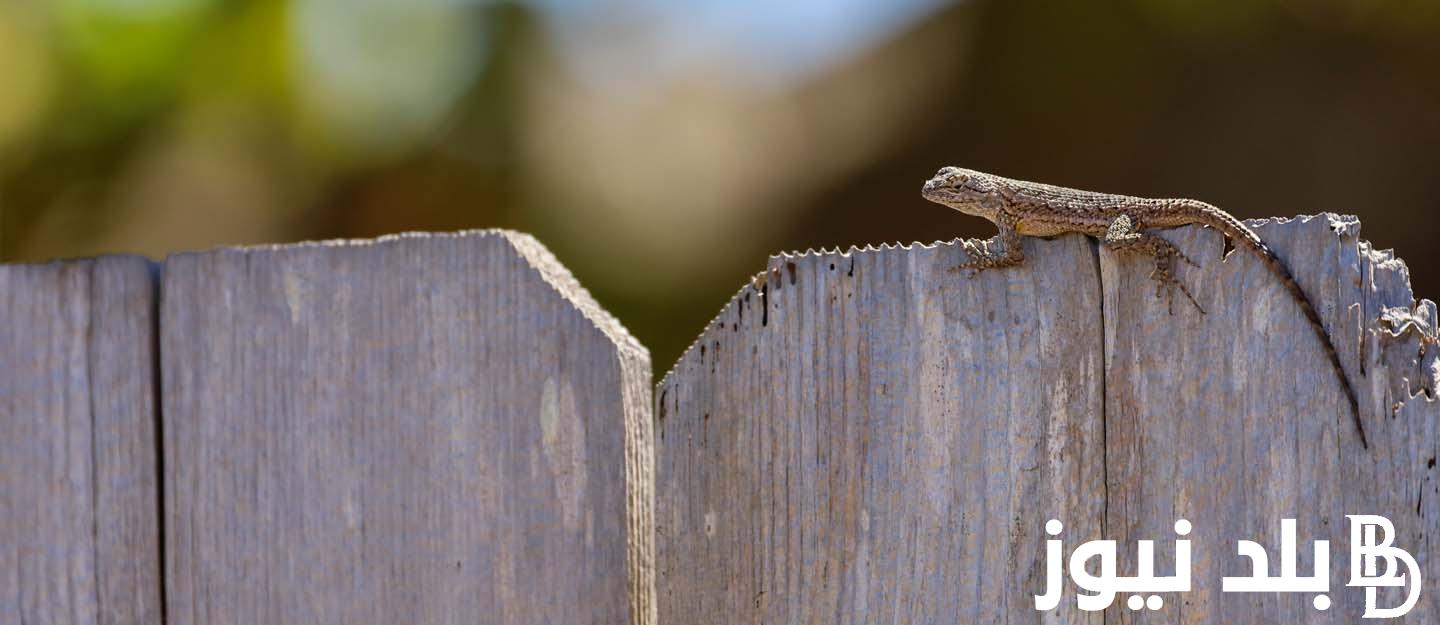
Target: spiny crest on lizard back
[966,190]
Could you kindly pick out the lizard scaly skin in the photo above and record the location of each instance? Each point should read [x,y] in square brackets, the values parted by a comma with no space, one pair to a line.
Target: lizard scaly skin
[1019,208]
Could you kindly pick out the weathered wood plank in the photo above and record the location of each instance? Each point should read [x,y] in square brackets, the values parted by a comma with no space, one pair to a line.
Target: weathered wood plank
[873,438]
[79,539]
[885,443]
[420,429]
[1234,420]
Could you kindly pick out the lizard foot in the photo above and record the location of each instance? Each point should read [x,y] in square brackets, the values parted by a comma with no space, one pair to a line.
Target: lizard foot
[1124,236]
[982,258]
[1166,283]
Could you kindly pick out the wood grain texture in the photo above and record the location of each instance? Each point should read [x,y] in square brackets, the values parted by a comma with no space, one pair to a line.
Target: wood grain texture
[1233,420]
[79,539]
[873,439]
[419,429]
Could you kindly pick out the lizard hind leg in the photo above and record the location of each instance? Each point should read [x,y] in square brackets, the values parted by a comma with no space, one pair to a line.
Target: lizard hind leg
[1123,236]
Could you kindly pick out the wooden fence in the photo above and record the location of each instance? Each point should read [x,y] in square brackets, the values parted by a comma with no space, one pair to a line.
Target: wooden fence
[448,429]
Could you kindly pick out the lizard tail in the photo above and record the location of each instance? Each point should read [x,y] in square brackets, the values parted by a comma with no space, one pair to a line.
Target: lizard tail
[1234,229]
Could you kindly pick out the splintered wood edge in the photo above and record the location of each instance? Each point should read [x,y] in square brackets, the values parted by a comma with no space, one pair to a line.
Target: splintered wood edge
[635,374]
[1386,271]
[1397,337]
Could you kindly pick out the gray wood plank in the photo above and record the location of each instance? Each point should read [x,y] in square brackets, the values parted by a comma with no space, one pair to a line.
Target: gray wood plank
[79,539]
[1234,420]
[419,429]
[882,441]
[871,438]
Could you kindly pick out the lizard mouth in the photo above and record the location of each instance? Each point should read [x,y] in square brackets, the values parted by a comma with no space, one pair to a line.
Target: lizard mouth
[938,189]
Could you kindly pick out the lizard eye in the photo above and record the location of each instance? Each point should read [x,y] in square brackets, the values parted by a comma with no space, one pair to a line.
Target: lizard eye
[952,177]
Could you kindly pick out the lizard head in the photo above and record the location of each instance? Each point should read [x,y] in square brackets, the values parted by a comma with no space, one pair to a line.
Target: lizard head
[966,190]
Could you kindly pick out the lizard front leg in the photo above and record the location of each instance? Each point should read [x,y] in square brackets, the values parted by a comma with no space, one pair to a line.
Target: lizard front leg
[1125,236]
[1012,252]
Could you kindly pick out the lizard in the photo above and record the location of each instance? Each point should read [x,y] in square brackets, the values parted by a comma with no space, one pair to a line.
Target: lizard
[1121,223]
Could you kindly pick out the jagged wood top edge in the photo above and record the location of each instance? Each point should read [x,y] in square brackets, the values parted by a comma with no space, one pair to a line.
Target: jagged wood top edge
[1342,224]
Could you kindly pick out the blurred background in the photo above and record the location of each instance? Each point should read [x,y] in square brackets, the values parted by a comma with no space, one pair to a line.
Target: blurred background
[663,149]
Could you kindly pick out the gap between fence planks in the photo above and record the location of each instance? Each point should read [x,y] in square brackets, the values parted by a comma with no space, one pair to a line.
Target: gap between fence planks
[870,437]
[435,429]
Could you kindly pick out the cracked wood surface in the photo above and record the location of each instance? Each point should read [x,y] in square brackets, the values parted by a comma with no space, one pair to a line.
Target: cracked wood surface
[872,438]
[79,540]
